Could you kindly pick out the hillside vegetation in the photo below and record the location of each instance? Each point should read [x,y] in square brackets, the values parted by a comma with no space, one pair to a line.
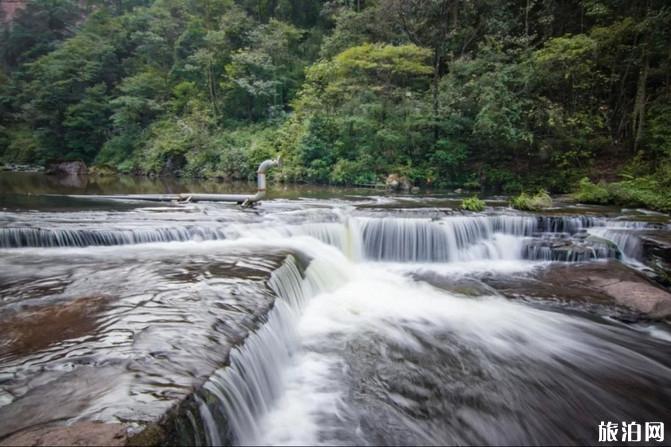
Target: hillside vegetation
[492,95]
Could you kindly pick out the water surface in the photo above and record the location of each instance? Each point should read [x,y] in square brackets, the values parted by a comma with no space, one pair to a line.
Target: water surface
[323,316]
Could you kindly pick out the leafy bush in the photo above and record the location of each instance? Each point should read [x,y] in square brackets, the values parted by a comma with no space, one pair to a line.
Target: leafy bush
[589,192]
[473,204]
[22,146]
[648,192]
[102,171]
[644,191]
[120,149]
[348,172]
[536,202]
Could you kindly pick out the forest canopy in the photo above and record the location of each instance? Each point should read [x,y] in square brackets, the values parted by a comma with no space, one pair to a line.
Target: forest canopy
[495,95]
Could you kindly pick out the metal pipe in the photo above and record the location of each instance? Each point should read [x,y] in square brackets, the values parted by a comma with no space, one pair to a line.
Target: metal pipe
[245,200]
[261,181]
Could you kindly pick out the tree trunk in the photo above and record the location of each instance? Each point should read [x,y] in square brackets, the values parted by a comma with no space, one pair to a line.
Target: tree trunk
[212,89]
[641,99]
[526,19]
[455,14]
[434,88]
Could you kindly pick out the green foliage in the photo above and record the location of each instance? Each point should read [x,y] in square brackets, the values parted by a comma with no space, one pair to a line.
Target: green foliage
[589,192]
[21,146]
[86,123]
[659,128]
[535,202]
[36,30]
[473,204]
[645,191]
[447,94]
[358,117]
[102,170]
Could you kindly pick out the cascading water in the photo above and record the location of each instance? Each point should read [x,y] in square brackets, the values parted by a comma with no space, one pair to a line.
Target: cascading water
[245,390]
[37,237]
[624,234]
[372,328]
[449,239]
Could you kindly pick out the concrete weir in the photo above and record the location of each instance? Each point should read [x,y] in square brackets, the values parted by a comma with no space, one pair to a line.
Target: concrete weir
[246,200]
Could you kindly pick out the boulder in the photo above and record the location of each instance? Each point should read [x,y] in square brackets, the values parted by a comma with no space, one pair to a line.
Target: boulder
[396,182]
[594,283]
[67,168]
[645,298]
[656,254]
[173,166]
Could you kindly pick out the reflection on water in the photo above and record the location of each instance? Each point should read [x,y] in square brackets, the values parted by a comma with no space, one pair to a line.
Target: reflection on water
[37,183]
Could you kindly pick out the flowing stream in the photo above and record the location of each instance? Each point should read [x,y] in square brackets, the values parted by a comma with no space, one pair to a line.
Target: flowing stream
[353,320]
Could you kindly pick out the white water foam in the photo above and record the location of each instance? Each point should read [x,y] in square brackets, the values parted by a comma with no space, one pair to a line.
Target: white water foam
[376,301]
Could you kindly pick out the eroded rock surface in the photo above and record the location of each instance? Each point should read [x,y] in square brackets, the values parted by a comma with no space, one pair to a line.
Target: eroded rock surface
[596,283]
[79,433]
[117,337]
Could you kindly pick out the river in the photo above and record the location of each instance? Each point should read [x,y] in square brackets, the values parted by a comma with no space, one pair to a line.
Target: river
[326,316]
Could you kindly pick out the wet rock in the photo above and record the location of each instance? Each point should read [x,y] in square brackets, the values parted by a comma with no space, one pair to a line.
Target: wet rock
[122,355]
[67,168]
[603,284]
[656,254]
[174,165]
[595,240]
[35,329]
[471,287]
[643,297]
[570,250]
[396,182]
[79,433]
[582,235]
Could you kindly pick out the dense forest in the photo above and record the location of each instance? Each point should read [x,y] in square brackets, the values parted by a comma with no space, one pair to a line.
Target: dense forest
[490,95]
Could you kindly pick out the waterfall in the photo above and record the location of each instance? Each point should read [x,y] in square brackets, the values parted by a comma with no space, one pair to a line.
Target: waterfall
[566,224]
[627,241]
[576,253]
[312,326]
[624,234]
[446,240]
[467,238]
[62,237]
[233,400]
[389,239]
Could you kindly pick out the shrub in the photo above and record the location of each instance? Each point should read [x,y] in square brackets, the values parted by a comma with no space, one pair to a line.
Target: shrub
[473,204]
[536,202]
[20,146]
[102,170]
[648,192]
[589,192]
[644,191]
